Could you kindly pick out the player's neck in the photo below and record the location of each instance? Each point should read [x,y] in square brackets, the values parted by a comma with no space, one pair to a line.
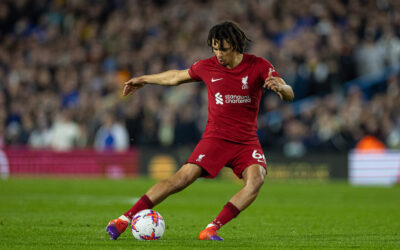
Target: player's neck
[235,61]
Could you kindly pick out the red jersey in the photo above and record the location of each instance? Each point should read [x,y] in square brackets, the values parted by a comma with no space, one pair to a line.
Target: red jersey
[233,96]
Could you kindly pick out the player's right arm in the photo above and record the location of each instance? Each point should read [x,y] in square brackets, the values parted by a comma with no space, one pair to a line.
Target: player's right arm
[167,78]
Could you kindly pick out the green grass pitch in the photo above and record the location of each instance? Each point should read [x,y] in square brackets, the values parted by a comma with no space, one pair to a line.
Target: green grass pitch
[72,214]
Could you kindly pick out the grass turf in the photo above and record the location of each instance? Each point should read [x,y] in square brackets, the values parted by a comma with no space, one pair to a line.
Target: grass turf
[72,214]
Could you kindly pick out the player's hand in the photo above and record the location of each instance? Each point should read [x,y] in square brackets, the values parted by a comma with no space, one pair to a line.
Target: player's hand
[272,83]
[132,86]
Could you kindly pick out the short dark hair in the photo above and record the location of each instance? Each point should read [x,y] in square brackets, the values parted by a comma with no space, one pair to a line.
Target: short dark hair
[230,32]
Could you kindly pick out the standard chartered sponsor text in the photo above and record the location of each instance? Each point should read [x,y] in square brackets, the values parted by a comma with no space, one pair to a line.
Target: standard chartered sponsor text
[237,99]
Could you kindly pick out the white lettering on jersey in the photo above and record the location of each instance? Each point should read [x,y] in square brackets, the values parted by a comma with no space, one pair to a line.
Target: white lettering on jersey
[214,80]
[244,81]
[218,98]
[237,99]
[258,156]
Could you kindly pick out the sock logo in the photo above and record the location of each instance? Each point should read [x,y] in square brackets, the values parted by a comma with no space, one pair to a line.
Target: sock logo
[217,223]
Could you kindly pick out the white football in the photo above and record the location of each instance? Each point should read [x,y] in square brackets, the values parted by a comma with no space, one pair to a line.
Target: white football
[148,225]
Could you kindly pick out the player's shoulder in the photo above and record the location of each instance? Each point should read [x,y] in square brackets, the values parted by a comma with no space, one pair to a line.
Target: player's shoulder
[202,62]
[257,59]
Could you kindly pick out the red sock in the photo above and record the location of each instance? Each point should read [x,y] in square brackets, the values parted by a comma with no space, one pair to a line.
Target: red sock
[229,212]
[143,203]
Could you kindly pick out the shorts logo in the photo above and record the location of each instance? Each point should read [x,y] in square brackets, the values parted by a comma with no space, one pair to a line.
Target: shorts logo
[200,157]
[259,157]
[244,82]
[218,98]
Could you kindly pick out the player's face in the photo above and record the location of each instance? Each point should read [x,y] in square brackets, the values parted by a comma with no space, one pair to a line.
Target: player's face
[225,54]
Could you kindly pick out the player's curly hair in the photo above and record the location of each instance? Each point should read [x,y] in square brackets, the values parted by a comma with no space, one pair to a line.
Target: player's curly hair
[230,32]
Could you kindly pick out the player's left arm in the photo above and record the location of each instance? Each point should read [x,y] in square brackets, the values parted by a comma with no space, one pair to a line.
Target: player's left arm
[279,86]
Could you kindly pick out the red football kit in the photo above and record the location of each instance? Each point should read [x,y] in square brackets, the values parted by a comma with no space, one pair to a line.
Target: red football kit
[234,95]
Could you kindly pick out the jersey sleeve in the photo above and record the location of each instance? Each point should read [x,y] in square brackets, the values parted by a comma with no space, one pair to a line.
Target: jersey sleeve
[194,70]
[265,67]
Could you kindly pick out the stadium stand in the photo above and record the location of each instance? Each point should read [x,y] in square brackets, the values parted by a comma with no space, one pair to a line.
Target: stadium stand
[62,62]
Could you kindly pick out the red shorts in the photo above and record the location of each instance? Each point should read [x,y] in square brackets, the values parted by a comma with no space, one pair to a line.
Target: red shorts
[212,154]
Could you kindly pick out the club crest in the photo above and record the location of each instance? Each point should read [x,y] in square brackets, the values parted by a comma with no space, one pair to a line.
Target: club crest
[244,82]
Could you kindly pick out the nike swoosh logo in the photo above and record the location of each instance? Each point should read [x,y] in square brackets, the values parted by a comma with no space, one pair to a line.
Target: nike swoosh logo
[214,80]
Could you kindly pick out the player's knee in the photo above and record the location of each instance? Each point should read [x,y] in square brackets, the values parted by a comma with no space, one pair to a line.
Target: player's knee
[255,183]
[258,182]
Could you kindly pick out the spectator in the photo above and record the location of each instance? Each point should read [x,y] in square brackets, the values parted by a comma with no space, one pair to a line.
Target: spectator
[40,136]
[65,134]
[112,135]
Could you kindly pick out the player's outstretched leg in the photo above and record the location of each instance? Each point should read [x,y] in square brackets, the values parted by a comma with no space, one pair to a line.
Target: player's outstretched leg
[253,177]
[186,175]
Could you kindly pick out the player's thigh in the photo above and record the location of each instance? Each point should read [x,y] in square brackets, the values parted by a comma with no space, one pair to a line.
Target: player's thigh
[212,154]
[188,173]
[248,155]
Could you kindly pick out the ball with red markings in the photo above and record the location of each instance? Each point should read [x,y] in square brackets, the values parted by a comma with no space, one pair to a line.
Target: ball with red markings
[148,225]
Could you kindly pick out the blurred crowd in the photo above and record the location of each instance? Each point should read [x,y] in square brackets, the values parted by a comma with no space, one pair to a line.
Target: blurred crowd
[62,63]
